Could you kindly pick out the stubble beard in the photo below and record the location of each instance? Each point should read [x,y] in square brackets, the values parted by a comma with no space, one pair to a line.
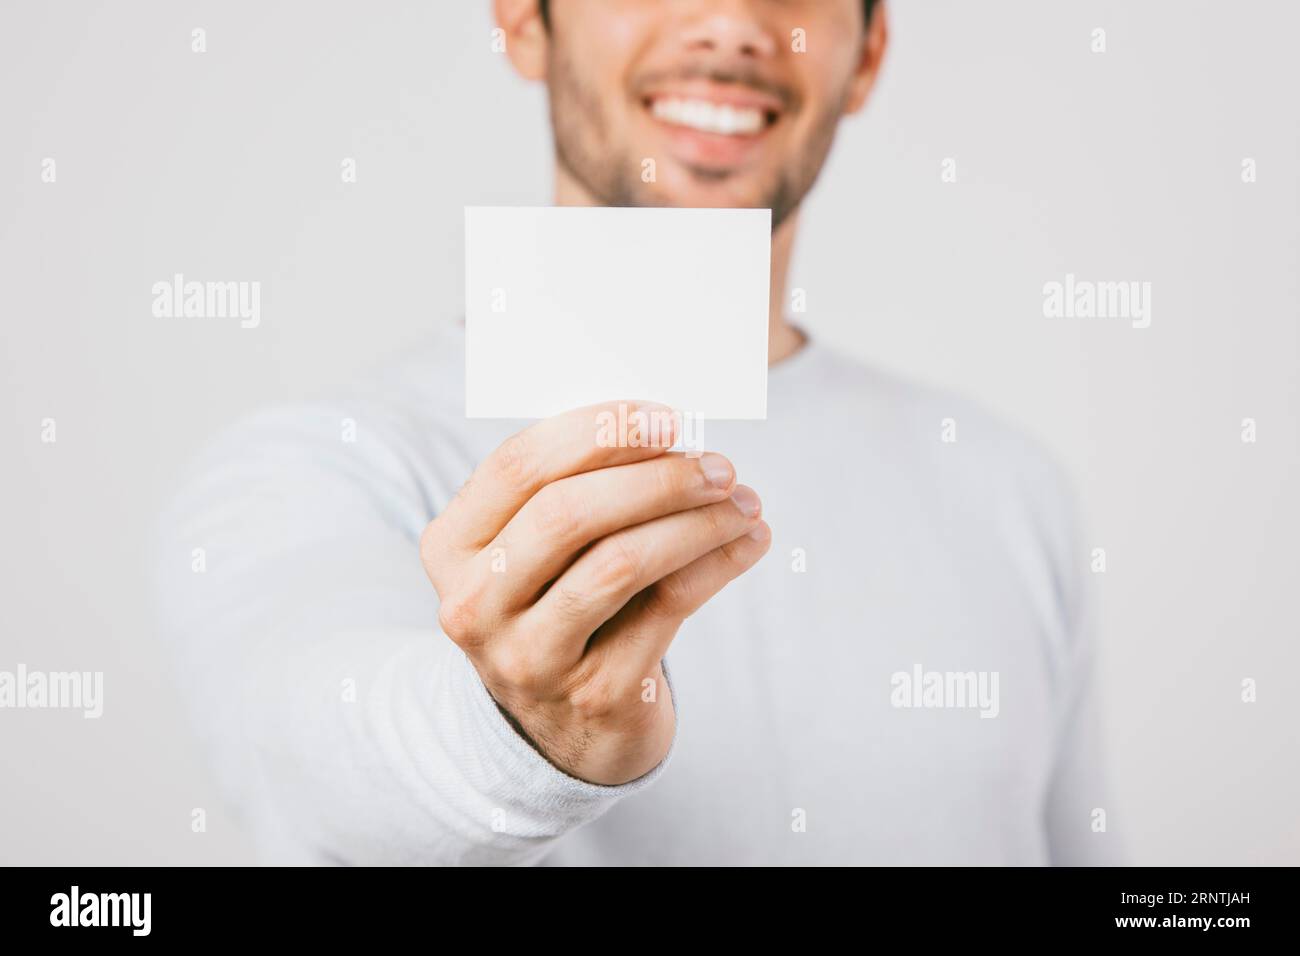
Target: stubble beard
[613,177]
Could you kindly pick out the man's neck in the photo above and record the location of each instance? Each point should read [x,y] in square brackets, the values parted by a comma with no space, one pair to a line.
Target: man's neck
[783,339]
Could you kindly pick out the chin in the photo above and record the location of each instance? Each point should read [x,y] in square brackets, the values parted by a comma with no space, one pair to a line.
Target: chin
[704,192]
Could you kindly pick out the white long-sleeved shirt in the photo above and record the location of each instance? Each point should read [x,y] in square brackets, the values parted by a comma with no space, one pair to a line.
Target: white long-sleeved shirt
[347,729]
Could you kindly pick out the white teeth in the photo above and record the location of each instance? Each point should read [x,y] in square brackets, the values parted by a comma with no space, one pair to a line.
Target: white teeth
[708,117]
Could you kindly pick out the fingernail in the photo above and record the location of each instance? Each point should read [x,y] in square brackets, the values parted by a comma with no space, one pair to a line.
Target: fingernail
[760,532]
[746,500]
[717,470]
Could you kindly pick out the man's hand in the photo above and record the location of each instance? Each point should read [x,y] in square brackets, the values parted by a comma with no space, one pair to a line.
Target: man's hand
[565,566]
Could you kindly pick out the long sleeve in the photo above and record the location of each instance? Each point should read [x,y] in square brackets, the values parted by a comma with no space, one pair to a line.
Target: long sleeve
[341,723]
[1082,823]
[1079,802]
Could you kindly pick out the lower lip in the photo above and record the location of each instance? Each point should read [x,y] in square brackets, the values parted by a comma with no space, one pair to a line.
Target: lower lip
[711,150]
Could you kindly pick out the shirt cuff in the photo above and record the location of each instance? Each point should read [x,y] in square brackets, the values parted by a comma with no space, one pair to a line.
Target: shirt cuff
[537,798]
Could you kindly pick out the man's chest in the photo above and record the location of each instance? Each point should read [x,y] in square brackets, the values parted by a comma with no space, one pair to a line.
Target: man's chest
[846,705]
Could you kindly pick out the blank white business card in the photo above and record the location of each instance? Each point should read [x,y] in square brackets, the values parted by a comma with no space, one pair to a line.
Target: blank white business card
[571,306]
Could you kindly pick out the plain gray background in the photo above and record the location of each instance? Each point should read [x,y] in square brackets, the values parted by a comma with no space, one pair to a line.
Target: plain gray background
[225,165]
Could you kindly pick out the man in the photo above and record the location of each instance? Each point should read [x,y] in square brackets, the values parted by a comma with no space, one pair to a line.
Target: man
[906,678]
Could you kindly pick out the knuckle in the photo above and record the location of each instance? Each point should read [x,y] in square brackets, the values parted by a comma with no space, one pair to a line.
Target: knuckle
[513,461]
[682,479]
[428,535]
[458,618]
[715,519]
[572,605]
[559,516]
[433,553]
[514,668]
[466,490]
[670,597]
[616,565]
[735,554]
[672,481]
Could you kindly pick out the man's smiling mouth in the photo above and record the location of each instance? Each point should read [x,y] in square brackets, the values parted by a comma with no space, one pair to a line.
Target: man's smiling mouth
[723,119]
[712,122]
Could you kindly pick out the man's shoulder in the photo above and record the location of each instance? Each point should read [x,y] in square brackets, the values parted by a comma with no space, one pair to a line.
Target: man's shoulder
[397,426]
[417,388]
[981,470]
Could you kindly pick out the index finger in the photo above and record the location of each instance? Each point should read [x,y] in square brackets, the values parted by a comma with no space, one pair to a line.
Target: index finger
[597,436]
